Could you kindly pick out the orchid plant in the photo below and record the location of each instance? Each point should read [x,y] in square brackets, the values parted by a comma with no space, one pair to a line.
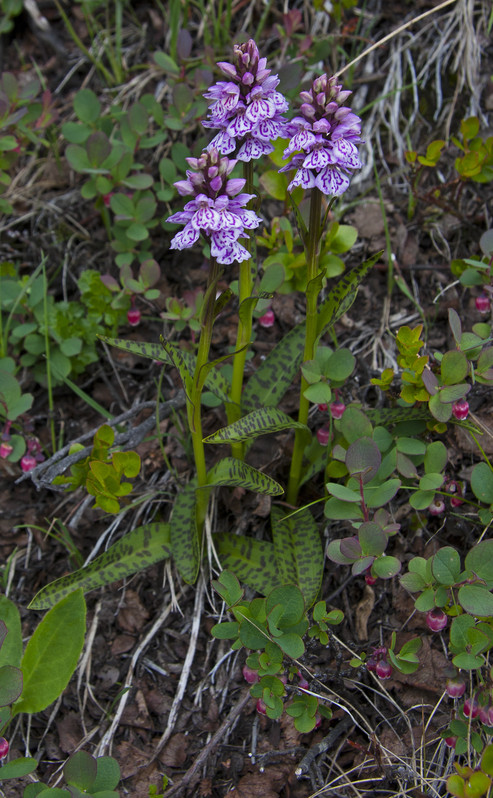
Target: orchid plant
[248,113]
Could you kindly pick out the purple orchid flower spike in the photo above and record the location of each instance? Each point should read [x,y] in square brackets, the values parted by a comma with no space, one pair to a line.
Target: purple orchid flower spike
[217,209]
[246,108]
[323,148]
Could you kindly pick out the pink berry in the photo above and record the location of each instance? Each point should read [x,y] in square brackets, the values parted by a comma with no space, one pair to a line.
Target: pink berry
[482,303]
[5,450]
[4,747]
[133,317]
[250,675]
[460,409]
[337,409]
[261,708]
[318,721]
[322,408]
[28,462]
[471,708]
[436,620]
[456,688]
[450,741]
[268,319]
[371,664]
[383,669]
[457,491]
[323,435]
[437,507]
[369,579]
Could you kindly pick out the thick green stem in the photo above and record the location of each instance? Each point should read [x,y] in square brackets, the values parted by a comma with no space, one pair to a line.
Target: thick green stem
[312,293]
[244,332]
[195,392]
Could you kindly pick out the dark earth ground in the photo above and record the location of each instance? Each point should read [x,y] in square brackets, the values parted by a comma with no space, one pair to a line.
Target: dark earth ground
[151,633]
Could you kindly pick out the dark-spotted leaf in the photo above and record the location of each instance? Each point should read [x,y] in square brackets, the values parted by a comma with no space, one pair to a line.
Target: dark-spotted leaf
[342,296]
[258,422]
[269,383]
[236,473]
[252,561]
[184,536]
[299,551]
[52,654]
[138,549]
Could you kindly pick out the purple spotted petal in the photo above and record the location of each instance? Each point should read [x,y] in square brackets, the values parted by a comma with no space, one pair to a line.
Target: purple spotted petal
[267,130]
[249,219]
[332,182]
[239,126]
[301,141]
[252,149]
[222,142]
[225,248]
[182,217]
[185,238]
[206,219]
[304,178]
[317,159]
[260,109]
[230,221]
[346,154]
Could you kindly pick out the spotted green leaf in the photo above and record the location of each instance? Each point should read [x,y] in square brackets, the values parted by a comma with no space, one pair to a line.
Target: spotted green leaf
[184,536]
[271,380]
[256,423]
[231,471]
[137,550]
[215,381]
[342,296]
[298,550]
[252,561]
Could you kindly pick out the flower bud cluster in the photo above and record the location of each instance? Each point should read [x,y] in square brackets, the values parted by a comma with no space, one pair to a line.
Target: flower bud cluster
[246,108]
[323,148]
[217,210]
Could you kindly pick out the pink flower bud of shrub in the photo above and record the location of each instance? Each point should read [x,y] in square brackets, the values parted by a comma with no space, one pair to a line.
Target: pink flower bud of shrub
[323,435]
[5,450]
[268,319]
[471,708]
[322,408]
[482,303]
[369,579]
[318,721]
[456,687]
[261,708]
[436,620]
[4,747]
[302,682]
[437,507]
[450,741]
[251,676]
[28,462]
[133,316]
[383,669]
[460,409]
[337,409]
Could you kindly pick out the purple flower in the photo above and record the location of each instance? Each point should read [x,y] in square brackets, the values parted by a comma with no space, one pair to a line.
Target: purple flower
[246,108]
[323,146]
[217,210]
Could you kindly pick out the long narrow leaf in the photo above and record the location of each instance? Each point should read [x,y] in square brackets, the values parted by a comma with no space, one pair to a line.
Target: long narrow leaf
[137,550]
[259,422]
[342,296]
[236,473]
[273,377]
[184,536]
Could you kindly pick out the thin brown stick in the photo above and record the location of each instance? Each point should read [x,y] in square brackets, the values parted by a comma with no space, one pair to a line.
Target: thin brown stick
[193,772]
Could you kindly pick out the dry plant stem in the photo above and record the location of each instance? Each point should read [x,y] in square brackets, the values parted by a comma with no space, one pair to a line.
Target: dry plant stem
[197,384]
[244,333]
[393,34]
[193,773]
[312,292]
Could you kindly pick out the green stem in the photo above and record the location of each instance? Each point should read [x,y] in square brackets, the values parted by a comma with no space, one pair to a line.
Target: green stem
[195,392]
[312,293]
[244,332]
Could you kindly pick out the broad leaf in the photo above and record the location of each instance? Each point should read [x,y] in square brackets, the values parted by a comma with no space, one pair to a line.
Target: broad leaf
[269,383]
[259,422]
[137,550]
[215,381]
[184,536]
[236,473]
[252,561]
[52,654]
[298,551]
